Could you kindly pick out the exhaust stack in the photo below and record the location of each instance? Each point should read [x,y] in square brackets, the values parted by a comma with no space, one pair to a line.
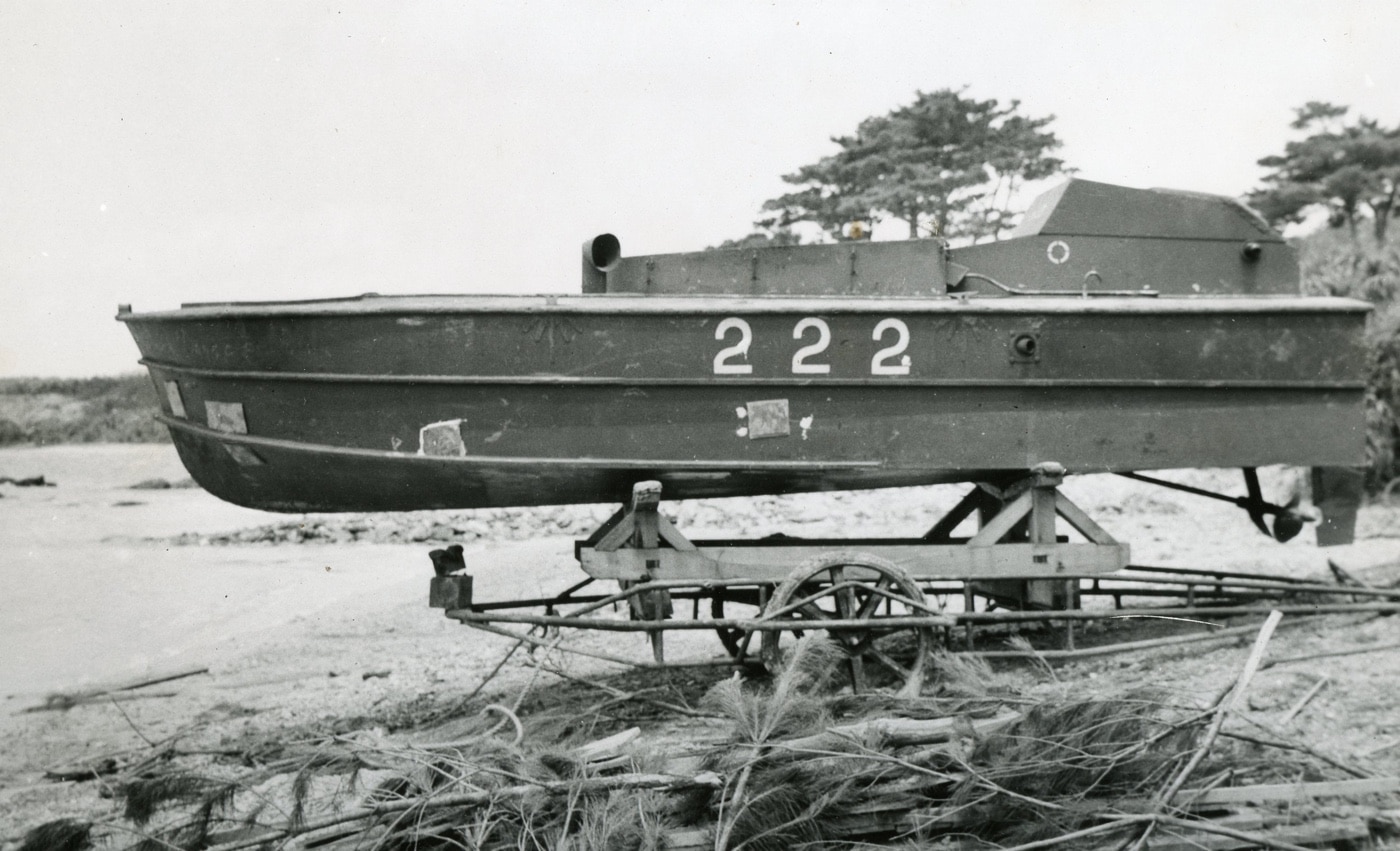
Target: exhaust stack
[600,256]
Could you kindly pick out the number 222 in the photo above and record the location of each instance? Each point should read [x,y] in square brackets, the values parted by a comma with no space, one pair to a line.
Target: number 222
[882,363]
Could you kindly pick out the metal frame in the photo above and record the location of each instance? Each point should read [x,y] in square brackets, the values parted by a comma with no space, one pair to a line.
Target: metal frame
[1017,553]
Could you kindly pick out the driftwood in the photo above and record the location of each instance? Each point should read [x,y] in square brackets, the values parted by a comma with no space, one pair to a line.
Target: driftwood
[1241,830]
[59,702]
[1228,705]
[1305,699]
[1281,742]
[67,701]
[901,732]
[29,482]
[1212,835]
[1350,651]
[1290,791]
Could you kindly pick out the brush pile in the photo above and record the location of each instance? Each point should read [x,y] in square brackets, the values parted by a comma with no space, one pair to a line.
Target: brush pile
[969,765]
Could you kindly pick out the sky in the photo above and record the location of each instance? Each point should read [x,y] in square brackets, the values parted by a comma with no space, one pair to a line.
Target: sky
[157,153]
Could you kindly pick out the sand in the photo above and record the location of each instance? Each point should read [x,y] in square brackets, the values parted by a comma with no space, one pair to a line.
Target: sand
[95,594]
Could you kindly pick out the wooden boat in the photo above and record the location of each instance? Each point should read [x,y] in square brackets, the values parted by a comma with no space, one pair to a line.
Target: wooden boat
[728,373]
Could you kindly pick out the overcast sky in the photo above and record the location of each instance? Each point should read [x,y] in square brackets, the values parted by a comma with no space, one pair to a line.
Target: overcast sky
[153,153]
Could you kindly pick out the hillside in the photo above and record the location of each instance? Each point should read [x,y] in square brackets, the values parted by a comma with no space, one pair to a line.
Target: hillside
[107,409]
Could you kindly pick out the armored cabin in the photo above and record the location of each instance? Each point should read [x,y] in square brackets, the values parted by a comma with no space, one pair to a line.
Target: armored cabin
[1079,238]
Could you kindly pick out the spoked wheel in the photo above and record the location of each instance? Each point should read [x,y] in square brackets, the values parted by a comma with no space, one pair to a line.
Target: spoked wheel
[862,587]
[732,637]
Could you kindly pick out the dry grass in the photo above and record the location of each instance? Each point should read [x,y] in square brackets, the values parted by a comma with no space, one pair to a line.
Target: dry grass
[794,772]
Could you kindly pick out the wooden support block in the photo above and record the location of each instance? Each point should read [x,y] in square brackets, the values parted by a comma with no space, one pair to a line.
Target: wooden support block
[646,496]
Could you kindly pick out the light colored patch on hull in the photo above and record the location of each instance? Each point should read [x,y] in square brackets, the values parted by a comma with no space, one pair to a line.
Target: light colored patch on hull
[442,439]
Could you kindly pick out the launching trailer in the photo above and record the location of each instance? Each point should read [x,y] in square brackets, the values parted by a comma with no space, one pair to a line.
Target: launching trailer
[1117,330]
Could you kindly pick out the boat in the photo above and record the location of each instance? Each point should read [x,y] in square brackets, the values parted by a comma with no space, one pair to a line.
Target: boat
[1117,330]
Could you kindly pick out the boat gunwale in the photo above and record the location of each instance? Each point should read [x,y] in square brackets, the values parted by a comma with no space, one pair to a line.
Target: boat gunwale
[556,379]
[708,305]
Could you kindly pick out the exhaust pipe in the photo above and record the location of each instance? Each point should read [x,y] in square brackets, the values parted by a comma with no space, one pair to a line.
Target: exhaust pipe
[600,256]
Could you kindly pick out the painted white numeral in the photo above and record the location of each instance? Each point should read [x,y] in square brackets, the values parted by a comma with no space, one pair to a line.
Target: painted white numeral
[799,358]
[878,365]
[739,349]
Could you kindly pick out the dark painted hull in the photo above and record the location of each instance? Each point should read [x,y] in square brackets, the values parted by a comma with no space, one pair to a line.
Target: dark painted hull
[436,402]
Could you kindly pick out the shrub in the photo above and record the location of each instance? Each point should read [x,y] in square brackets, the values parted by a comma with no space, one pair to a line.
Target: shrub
[1333,264]
[115,409]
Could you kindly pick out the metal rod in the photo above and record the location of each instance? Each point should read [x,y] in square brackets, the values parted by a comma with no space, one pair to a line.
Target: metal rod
[1197,571]
[1242,501]
[1164,611]
[657,585]
[752,624]
[1126,646]
[1268,584]
[606,657]
[1082,292]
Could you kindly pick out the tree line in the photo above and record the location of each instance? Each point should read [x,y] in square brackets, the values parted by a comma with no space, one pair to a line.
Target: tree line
[951,165]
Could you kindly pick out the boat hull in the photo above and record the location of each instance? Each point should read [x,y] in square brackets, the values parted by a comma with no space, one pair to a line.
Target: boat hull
[464,402]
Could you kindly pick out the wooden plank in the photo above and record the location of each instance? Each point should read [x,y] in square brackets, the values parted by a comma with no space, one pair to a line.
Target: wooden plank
[608,747]
[921,561]
[1312,833]
[690,839]
[1247,820]
[1288,791]
[899,732]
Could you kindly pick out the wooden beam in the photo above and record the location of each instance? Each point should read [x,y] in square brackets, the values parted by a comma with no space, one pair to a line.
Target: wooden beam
[998,526]
[1082,522]
[1287,791]
[921,561]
